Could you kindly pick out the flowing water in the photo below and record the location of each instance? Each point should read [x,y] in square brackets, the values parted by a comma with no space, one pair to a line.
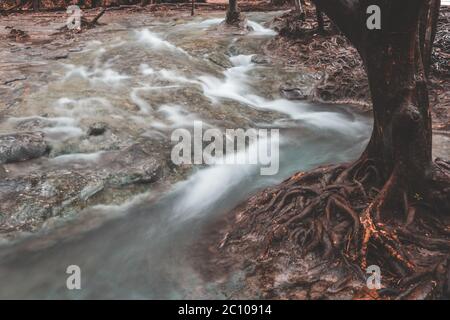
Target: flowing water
[145,82]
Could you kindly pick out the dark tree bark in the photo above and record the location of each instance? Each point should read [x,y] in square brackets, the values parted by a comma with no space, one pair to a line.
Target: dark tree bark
[428,25]
[96,3]
[396,59]
[320,21]
[298,6]
[36,5]
[233,13]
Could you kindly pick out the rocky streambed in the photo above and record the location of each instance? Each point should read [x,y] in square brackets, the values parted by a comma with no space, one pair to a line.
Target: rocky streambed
[85,143]
[86,118]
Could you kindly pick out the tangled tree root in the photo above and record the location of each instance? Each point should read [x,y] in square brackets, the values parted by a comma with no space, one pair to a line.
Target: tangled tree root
[339,213]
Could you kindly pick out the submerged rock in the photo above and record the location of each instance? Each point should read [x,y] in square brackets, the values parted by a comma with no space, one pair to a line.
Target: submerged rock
[260,59]
[22,146]
[29,198]
[57,55]
[300,86]
[293,93]
[220,59]
[138,163]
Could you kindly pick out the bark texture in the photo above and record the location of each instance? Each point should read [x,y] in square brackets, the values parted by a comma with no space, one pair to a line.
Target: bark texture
[396,59]
[233,13]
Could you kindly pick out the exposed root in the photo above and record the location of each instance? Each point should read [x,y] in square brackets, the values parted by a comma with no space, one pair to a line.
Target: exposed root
[340,212]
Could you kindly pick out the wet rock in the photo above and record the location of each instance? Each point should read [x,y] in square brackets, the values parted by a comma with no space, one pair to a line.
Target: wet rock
[14,78]
[97,128]
[293,93]
[29,198]
[28,201]
[17,34]
[91,190]
[221,60]
[260,59]
[22,146]
[139,163]
[48,190]
[57,55]
[86,144]
[77,49]
[32,124]
[145,171]
[299,87]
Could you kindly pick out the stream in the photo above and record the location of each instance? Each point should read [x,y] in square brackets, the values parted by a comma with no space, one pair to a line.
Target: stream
[144,83]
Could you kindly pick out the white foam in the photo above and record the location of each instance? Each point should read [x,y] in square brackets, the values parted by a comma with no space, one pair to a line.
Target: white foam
[101,74]
[151,39]
[237,86]
[63,132]
[73,157]
[176,116]
[145,70]
[210,22]
[207,186]
[174,76]
[58,127]
[259,30]
[234,86]
[143,105]
[84,107]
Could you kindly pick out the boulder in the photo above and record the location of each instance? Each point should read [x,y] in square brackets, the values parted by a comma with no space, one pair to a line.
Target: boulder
[293,93]
[22,146]
[221,60]
[260,59]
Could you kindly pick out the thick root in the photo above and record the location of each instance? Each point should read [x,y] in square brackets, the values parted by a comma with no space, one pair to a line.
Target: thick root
[341,213]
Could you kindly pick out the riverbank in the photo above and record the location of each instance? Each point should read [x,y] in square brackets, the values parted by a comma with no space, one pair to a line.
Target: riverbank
[255,235]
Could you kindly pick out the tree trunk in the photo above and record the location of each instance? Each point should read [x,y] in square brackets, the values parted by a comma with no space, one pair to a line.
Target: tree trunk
[298,6]
[96,3]
[320,22]
[394,60]
[36,5]
[233,14]
[428,25]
